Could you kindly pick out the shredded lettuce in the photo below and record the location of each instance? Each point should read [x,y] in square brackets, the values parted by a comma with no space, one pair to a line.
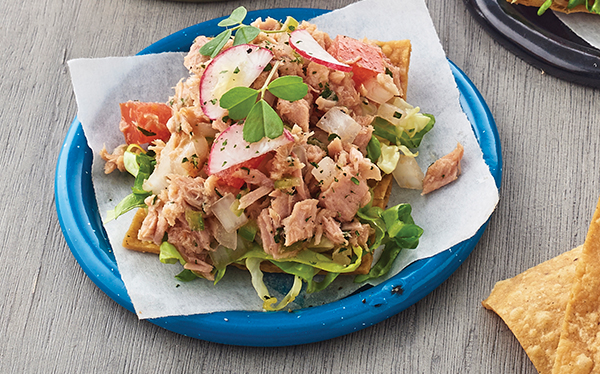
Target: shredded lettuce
[389,158]
[374,149]
[417,125]
[169,254]
[310,258]
[400,232]
[307,273]
[269,303]
[372,215]
[145,165]
[186,276]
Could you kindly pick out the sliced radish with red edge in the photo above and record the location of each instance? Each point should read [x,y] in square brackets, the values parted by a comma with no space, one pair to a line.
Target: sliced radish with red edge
[303,43]
[230,148]
[235,67]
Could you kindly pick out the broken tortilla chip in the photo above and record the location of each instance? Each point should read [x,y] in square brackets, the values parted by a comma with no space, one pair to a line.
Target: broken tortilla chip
[533,304]
[579,346]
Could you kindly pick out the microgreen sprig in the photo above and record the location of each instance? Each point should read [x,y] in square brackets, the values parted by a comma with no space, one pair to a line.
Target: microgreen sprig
[243,33]
[261,118]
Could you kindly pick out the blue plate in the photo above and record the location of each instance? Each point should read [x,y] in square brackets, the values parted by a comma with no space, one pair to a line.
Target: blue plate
[83,230]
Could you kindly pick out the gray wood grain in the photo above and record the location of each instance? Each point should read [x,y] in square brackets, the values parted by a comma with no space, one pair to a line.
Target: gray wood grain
[53,319]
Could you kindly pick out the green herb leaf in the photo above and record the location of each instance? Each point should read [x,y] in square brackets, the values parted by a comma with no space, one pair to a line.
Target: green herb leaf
[289,87]
[245,34]
[239,101]
[254,130]
[272,122]
[401,232]
[262,121]
[214,46]
[235,18]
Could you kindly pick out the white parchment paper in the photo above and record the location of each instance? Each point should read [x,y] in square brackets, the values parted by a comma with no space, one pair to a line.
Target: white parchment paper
[448,216]
[585,25]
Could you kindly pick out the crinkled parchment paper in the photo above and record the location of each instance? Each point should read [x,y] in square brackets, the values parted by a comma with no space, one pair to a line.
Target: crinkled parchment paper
[447,216]
[585,25]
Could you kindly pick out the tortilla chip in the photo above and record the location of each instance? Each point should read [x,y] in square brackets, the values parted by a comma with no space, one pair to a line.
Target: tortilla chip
[533,305]
[398,51]
[131,240]
[579,346]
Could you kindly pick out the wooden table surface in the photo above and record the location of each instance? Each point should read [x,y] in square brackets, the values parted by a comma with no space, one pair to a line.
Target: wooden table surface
[53,318]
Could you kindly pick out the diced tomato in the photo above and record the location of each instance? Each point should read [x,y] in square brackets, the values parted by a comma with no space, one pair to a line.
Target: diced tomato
[142,123]
[226,175]
[366,60]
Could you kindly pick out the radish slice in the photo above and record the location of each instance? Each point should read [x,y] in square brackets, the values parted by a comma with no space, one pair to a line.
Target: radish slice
[303,43]
[230,148]
[234,67]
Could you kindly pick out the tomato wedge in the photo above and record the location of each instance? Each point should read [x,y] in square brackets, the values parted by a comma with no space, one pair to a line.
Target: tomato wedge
[142,123]
[366,60]
[226,176]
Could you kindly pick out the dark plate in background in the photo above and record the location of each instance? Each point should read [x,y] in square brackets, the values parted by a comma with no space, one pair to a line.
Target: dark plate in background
[542,41]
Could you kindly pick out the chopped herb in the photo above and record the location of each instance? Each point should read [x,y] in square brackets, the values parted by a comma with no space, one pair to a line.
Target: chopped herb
[146,132]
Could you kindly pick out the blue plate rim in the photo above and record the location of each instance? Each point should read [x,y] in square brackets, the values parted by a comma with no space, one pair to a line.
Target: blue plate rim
[81,225]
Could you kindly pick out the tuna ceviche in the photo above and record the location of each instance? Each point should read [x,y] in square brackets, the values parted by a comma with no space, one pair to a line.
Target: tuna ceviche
[276,154]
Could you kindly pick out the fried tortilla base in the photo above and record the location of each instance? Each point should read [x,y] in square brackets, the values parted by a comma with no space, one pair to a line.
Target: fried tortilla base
[398,51]
[558,5]
[131,240]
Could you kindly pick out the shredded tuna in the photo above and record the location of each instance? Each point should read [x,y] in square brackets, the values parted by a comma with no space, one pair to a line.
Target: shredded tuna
[358,233]
[300,224]
[281,206]
[345,195]
[443,171]
[114,161]
[269,235]
[327,225]
[194,59]
[295,113]
[252,196]
[283,163]
[253,177]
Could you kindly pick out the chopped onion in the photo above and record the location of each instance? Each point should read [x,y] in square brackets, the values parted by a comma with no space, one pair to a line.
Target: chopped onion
[408,174]
[222,209]
[336,121]
[325,171]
